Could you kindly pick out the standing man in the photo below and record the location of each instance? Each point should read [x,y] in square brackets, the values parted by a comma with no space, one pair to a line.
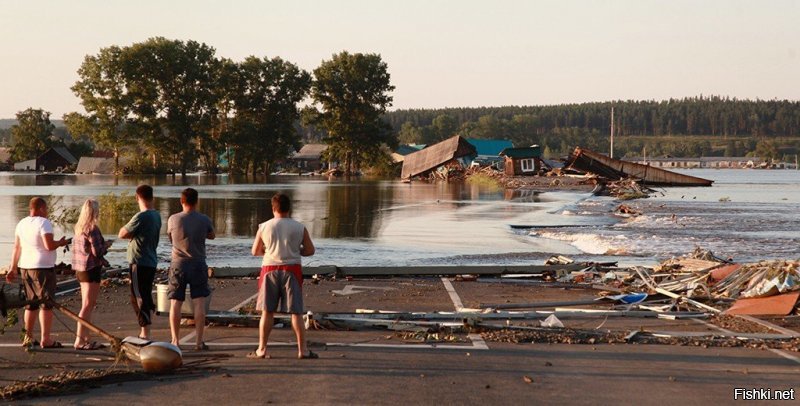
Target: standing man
[282,241]
[34,257]
[143,230]
[188,231]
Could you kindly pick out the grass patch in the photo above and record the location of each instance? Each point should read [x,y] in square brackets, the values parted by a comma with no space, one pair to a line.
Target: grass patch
[483,180]
[118,207]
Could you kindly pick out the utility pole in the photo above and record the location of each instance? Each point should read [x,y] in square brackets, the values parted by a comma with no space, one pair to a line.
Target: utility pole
[611,154]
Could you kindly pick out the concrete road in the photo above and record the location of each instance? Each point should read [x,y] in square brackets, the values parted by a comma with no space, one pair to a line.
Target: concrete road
[380,367]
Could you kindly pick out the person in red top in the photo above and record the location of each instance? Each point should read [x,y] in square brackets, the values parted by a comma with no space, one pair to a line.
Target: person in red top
[282,242]
[88,249]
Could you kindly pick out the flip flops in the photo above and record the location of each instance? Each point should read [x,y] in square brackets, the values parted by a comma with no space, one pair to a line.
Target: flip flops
[201,347]
[54,344]
[89,346]
[30,343]
[254,355]
[310,355]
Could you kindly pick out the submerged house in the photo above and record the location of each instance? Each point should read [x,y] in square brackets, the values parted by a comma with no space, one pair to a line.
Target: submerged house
[448,151]
[585,160]
[55,159]
[488,151]
[522,161]
[309,157]
[96,165]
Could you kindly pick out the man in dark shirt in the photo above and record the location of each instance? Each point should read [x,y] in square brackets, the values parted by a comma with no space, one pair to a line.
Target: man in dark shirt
[143,230]
[188,231]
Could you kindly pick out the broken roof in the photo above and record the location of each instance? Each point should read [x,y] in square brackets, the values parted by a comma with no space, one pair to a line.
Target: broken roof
[310,151]
[435,155]
[95,165]
[64,153]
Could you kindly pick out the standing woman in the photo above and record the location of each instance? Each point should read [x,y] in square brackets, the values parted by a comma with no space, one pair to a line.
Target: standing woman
[88,249]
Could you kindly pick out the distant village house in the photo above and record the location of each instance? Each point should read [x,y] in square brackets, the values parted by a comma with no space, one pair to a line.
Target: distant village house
[55,159]
[309,157]
[522,161]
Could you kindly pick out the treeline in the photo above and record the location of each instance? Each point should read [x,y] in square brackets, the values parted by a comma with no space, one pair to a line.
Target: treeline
[561,127]
[170,104]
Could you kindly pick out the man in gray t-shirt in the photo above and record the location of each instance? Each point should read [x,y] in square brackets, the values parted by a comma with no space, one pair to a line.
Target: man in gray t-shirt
[188,231]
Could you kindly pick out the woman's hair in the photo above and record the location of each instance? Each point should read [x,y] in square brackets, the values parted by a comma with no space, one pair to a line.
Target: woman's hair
[90,211]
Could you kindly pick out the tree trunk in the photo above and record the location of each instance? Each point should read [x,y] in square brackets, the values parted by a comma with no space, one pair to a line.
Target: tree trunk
[116,162]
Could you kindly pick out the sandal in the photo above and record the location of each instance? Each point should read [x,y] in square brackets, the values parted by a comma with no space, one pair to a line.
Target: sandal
[29,343]
[89,346]
[201,347]
[54,344]
[255,355]
[310,355]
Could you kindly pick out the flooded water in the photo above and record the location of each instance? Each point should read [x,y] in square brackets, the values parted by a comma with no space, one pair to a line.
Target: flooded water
[386,222]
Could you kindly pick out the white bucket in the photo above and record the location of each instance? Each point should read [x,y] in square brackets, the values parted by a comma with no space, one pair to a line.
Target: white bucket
[163,302]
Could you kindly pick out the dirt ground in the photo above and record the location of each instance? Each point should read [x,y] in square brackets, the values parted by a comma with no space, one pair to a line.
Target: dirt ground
[379,366]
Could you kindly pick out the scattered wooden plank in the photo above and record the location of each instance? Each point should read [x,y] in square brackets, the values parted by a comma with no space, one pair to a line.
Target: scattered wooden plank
[687,300]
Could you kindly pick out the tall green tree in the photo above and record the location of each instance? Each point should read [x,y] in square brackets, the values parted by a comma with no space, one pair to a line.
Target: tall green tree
[103,92]
[170,81]
[266,108]
[32,134]
[353,93]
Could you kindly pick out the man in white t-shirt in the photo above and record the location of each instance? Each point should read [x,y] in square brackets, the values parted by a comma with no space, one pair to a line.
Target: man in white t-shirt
[282,242]
[34,257]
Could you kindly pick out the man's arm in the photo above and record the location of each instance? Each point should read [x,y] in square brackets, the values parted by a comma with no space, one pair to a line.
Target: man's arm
[258,245]
[12,270]
[128,231]
[211,233]
[52,244]
[125,234]
[307,249]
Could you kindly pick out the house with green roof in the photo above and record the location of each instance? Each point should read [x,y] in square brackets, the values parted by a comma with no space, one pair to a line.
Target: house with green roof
[523,161]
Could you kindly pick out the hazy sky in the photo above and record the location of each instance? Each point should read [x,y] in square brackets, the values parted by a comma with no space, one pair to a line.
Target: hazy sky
[440,53]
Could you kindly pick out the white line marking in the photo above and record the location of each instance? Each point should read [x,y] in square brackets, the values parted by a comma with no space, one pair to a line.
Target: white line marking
[784,354]
[453,295]
[351,289]
[66,292]
[477,341]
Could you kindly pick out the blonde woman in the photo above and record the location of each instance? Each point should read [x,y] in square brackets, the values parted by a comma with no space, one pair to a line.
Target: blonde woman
[88,249]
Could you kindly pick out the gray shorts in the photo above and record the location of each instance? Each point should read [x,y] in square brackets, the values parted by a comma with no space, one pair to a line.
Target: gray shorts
[192,273]
[280,292]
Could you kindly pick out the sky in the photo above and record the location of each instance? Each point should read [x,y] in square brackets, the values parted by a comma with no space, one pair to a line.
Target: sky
[440,53]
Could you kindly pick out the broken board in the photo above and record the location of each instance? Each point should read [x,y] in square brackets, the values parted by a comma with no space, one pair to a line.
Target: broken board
[779,305]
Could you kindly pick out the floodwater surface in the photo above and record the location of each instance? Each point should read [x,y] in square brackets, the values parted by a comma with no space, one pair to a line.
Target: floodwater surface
[747,215]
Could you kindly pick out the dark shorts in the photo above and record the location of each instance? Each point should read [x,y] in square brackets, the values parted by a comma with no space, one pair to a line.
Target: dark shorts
[192,273]
[94,275]
[39,284]
[280,289]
